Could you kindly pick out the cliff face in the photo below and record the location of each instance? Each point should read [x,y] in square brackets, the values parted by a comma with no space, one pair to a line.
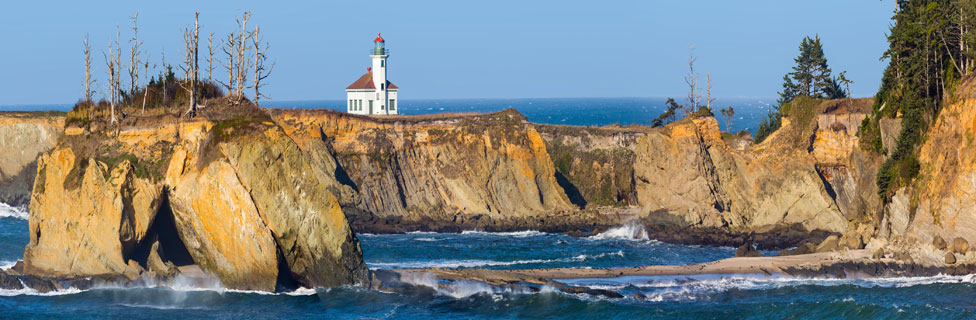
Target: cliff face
[440,172]
[939,204]
[23,137]
[692,185]
[595,166]
[689,171]
[227,194]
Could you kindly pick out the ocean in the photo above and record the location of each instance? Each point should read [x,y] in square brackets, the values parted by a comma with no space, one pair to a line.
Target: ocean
[698,297]
[674,297]
[569,111]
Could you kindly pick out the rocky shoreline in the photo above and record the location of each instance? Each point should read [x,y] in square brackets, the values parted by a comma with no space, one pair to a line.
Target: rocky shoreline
[304,182]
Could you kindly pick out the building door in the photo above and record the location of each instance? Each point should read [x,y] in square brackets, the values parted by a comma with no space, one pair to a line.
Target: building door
[370,106]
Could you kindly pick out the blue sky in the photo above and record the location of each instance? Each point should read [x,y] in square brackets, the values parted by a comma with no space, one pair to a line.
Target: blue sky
[464,49]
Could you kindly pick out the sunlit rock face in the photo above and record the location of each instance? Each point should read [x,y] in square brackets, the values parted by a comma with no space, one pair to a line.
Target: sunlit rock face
[231,196]
[23,137]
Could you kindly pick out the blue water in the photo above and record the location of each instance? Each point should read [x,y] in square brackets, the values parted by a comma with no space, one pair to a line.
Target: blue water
[570,111]
[700,297]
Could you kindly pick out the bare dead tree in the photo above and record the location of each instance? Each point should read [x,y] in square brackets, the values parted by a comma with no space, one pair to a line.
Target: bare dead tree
[692,80]
[145,75]
[88,76]
[89,81]
[210,57]
[229,48]
[261,69]
[162,79]
[112,65]
[708,92]
[244,62]
[187,65]
[134,55]
[191,65]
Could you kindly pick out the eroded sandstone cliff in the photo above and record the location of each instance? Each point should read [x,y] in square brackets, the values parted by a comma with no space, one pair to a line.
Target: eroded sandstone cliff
[226,191]
[940,202]
[438,172]
[23,137]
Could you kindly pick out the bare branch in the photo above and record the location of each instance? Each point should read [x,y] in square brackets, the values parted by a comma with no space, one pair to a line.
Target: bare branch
[261,70]
[134,55]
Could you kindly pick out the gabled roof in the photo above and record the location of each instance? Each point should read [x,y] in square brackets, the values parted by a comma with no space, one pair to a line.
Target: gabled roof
[366,82]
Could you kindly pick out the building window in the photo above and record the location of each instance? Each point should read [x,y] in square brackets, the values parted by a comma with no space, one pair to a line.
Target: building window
[382,86]
[382,63]
[370,106]
[392,104]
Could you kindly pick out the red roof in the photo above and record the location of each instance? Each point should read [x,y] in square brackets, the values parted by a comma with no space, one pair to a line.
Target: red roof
[379,38]
[366,82]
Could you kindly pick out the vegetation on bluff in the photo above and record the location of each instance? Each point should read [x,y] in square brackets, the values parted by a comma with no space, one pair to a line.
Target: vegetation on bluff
[179,90]
[930,49]
[811,77]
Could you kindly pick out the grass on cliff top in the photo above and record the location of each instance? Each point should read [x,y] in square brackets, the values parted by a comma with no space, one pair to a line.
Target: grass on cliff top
[159,101]
[236,122]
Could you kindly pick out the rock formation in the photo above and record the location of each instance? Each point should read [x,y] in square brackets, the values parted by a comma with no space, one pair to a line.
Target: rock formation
[940,201]
[437,172]
[23,137]
[227,192]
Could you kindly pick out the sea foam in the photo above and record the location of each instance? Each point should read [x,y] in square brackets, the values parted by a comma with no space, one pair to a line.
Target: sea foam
[12,212]
[629,231]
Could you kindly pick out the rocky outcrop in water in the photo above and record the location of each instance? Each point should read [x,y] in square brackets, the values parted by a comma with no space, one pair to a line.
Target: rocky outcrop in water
[226,192]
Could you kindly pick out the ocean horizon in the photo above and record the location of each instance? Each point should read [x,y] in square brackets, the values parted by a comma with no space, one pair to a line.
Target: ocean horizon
[565,111]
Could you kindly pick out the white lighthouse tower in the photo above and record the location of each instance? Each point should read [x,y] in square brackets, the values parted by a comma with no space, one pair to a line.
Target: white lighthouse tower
[372,93]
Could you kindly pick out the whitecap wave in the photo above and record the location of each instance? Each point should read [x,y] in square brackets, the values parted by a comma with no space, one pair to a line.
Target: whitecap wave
[689,288]
[630,231]
[26,291]
[4,265]
[457,289]
[450,264]
[474,263]
[12,212]
[517,234]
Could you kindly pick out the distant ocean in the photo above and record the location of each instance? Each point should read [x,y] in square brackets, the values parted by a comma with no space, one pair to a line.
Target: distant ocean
[571,111]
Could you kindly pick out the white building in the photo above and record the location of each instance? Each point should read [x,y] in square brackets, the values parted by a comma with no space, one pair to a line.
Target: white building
[373,93]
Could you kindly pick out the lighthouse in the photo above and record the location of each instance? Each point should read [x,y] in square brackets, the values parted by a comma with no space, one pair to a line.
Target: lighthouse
[373,93]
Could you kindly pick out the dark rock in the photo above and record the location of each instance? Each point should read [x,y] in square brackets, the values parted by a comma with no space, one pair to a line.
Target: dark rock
[960,245]
[747,250]
[904,256]
[950,258]
[784,253]
[805,248]
[829,244]
[939,243]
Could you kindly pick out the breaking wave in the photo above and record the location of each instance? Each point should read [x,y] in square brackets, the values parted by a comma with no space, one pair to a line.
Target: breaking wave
[475,263]
[12,212]
[517,234]
[631,231]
